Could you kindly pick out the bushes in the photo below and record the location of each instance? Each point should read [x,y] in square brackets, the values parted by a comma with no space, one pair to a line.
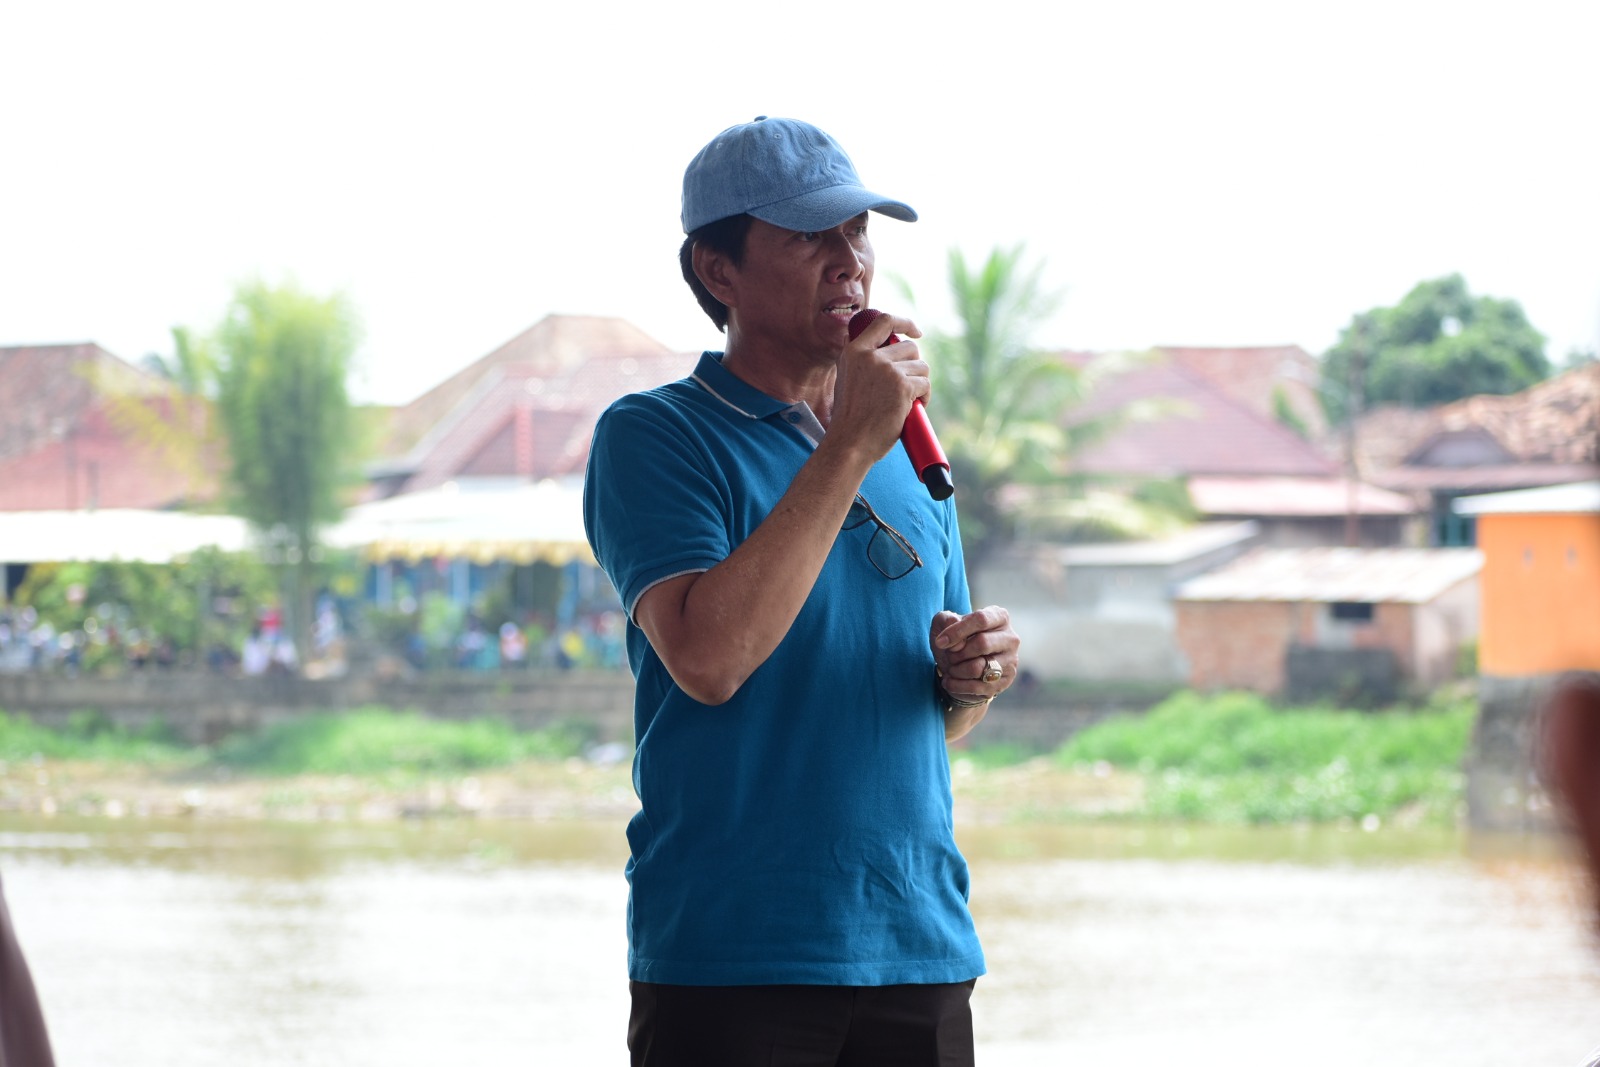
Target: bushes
[87,736]
[1234,758]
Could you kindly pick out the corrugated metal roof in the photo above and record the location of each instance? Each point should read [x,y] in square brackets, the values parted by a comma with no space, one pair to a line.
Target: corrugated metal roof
[1293,497]
[1483,478]
[1196,541]
[1333,575]
[1580,498]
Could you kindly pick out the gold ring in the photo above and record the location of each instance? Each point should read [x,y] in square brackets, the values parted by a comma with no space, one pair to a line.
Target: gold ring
[992,670]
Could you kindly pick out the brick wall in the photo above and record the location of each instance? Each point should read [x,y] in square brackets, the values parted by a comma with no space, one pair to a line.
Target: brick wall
[1236,645]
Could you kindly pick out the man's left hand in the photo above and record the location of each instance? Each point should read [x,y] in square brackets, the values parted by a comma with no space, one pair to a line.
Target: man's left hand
[976,653]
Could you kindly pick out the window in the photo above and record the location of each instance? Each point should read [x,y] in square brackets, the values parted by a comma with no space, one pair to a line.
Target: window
[1351,611]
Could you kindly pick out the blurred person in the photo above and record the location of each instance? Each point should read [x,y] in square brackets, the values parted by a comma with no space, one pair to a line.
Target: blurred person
[513,646]
[256,654]
[1569,758]
[800,631]
[325,627]
[24,1041]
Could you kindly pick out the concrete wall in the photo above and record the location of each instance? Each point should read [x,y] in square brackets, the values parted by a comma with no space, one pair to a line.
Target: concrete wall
[1503,790]
[203,708]
[1087,623]
[1349,677]
[1100,621]
[1440,630]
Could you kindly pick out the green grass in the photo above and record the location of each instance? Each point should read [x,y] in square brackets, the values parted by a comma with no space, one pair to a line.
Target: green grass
[1234,758]
[90,737]
[373,740]
[990,757]
[366,741]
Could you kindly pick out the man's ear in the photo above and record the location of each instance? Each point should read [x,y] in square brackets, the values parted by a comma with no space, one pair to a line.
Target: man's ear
[717,273]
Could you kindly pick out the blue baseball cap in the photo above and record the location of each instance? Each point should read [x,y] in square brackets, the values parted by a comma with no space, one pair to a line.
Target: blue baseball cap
[782,171]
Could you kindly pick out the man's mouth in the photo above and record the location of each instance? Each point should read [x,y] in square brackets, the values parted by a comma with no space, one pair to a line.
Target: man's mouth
[843,310]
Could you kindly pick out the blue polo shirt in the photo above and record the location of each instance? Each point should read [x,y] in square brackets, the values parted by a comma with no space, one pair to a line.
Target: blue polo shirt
[801,832]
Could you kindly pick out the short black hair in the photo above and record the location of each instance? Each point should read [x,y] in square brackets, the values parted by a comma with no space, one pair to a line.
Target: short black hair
[724,237]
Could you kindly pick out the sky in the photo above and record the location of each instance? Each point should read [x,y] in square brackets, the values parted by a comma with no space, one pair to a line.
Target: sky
[1216,173]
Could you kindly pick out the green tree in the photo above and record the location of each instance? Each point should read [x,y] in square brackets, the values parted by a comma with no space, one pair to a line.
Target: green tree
[281,358]
[1000,406]
[1440,343]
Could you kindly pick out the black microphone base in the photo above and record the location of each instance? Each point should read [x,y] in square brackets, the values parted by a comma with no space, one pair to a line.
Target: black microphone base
[937,479]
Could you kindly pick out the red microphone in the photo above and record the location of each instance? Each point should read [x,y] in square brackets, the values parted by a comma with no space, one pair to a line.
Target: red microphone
[927,458]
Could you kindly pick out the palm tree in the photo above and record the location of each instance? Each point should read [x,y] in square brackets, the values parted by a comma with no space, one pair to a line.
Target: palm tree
[1003,409]
[173,419]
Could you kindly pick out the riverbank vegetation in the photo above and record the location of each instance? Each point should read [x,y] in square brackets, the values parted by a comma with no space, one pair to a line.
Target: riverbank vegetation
[1235,758]
[1229,758]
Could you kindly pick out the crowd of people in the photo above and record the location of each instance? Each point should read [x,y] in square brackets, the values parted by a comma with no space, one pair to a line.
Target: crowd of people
[530,641]
[29,643]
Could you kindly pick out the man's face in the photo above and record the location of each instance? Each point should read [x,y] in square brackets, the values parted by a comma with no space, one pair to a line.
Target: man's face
[799,290]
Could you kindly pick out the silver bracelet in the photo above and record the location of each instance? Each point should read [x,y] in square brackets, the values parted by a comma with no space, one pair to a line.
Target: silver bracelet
[947,697]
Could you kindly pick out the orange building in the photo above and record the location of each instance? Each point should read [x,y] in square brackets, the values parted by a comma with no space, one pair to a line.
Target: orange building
[1540,580]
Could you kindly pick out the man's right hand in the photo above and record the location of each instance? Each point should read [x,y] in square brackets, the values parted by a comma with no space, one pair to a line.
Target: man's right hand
[873,387]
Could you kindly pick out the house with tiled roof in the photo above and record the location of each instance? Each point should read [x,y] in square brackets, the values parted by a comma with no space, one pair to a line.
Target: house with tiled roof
[1274,380]
[1548,434]
[1215,419]
[526,410]
[81,428]
[1349,624]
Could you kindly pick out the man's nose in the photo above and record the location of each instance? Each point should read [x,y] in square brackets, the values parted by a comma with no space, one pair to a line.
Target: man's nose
[846,260]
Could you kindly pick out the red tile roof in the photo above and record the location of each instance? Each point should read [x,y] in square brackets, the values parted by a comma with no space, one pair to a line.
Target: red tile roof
[44,389]
[1189,426]
[528,409]
[99,462]
[1556,421]
[74,423]
[1544,435]
[549,349]
[1258,376]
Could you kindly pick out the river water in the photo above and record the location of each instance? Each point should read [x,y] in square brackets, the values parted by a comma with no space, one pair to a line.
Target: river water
[477,943]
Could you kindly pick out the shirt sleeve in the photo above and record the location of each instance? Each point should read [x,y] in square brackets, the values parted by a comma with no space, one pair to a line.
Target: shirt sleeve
[652,507]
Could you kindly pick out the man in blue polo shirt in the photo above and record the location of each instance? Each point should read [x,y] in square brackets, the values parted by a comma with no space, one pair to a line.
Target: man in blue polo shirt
[800,632]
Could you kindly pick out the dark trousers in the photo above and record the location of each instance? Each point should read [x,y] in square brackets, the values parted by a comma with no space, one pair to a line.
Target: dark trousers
[801,1026]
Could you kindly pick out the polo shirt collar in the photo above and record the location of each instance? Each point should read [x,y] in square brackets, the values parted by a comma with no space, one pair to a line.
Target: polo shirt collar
[738,394]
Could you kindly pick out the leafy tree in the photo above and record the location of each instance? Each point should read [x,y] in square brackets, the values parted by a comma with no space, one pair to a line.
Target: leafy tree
[1440,343]
[1000,406]
[282,357]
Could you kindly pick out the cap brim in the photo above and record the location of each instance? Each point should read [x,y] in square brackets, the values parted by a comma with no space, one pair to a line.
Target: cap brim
[823,209]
